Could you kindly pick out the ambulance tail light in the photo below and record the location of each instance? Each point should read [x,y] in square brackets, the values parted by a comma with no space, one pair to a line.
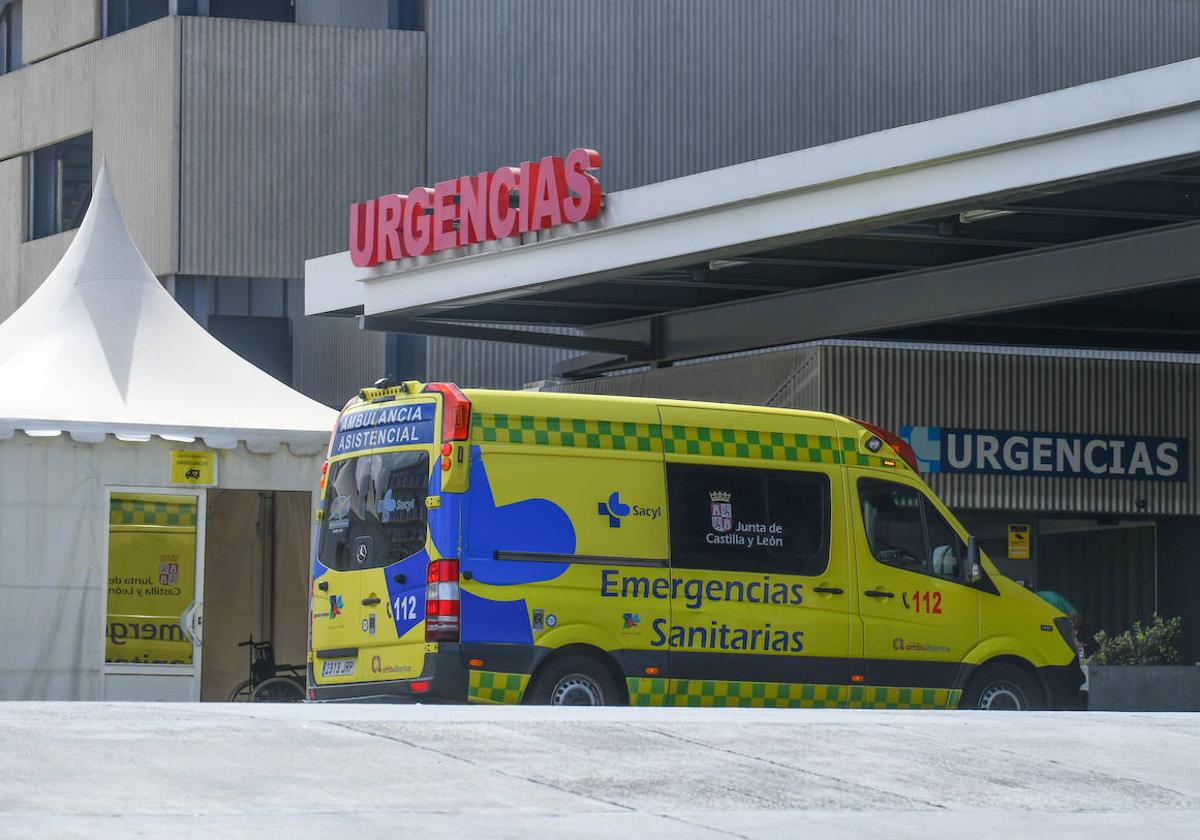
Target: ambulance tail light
[324,475]
[442,601]
[456,410]
[898,444]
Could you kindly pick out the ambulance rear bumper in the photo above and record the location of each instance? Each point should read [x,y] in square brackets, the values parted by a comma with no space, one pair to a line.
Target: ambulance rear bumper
[443,680]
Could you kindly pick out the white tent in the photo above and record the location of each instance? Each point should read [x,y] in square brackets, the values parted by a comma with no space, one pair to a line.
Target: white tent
[113,399]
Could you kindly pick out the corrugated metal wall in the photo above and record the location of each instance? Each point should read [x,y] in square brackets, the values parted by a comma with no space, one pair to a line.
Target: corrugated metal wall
[665,88]
[979,389]
[668,87]
[282,128]
[1023,392]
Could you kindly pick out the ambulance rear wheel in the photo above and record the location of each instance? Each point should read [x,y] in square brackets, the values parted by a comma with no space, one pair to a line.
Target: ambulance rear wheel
[575,681]
[1002,687]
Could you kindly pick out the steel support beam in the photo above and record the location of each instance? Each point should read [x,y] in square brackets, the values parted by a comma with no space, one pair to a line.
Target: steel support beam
[627,348]
[1113,265]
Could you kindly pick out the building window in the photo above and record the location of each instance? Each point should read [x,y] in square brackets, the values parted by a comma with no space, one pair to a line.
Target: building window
[120,15]
[10,36]
[406,14]
[60,186]
[280,10]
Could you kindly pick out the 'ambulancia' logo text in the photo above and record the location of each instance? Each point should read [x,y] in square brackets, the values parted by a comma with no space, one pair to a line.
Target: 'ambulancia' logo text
[947,450]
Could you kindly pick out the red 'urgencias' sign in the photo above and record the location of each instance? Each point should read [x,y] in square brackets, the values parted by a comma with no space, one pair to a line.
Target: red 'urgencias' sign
[475,208]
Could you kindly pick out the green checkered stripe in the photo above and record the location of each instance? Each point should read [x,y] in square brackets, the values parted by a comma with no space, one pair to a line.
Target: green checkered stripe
[721,693]
[137,512]
[566,432]
[672,439]
[496,687]
[765,446]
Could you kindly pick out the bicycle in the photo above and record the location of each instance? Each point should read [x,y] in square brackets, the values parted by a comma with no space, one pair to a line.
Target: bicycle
[268,682]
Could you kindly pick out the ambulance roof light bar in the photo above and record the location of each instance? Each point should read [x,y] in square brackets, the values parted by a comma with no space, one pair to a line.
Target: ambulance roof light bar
[899,445]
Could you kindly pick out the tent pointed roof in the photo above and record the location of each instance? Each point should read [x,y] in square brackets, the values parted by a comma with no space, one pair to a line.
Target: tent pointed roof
[102,348]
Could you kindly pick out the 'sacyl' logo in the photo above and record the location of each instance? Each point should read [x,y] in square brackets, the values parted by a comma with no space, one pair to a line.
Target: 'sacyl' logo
[614,509]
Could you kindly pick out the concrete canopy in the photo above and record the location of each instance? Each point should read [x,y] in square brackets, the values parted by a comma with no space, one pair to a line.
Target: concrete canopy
[102,348]
[979,226]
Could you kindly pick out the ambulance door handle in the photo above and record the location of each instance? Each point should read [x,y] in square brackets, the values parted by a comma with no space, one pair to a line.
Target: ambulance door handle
[879,593]
[370,602]
[323,586]
[828,590]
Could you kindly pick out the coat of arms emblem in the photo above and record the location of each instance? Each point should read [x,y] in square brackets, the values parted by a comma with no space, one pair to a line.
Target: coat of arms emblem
[721,507]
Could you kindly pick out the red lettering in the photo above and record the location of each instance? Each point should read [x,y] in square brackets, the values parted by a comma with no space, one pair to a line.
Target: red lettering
[528,185]
[548,194]
[501,217]
[584,202]
[444,234]
[473,208]
[490,205]
[388,210]
[418,238]
[362,233]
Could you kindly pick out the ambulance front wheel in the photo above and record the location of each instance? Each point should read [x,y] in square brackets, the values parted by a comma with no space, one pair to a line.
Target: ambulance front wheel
[574,681]
[1002,686]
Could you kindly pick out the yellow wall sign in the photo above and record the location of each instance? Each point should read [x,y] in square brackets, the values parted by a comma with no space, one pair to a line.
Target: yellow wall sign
[1018,542]
[151,578]
[189,466]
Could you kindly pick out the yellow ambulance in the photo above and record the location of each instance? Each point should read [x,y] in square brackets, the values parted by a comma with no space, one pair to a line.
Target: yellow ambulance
[522,547]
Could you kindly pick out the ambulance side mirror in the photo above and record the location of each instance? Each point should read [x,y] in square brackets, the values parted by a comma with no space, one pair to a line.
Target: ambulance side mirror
[972,568]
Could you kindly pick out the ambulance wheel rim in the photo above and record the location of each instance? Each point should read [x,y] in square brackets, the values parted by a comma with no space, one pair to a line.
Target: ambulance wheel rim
[576,690]
[1002,697]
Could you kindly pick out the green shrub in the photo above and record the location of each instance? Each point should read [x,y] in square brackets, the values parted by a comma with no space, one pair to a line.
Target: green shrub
[1155,643]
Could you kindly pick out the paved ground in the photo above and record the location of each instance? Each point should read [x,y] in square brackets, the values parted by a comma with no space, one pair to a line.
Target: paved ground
[134,770]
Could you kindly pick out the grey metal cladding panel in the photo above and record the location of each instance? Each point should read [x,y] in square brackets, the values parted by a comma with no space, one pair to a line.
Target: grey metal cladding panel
[489,364]
[331,357]
[667,87]
[722,82]
[52,26]
[283,126]
[518,79]
[784,380]
[1031,393]
[1118,36]
[905,61]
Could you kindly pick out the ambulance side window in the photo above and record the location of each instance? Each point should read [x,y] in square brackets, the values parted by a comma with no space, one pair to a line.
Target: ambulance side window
[905,530]
[748,520]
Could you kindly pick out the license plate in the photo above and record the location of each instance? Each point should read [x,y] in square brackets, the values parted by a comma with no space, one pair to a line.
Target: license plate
[337,667]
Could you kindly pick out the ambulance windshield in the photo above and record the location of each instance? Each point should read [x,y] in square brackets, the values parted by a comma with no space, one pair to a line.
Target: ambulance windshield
[375,511]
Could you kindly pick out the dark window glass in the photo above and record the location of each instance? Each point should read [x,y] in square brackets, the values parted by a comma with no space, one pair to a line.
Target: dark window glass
[60,186]
[126,14]
[947,550]
[406,14]
[10,36]
[905,530]
[280,10]
[265,342]
[374,510]
[748,520]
